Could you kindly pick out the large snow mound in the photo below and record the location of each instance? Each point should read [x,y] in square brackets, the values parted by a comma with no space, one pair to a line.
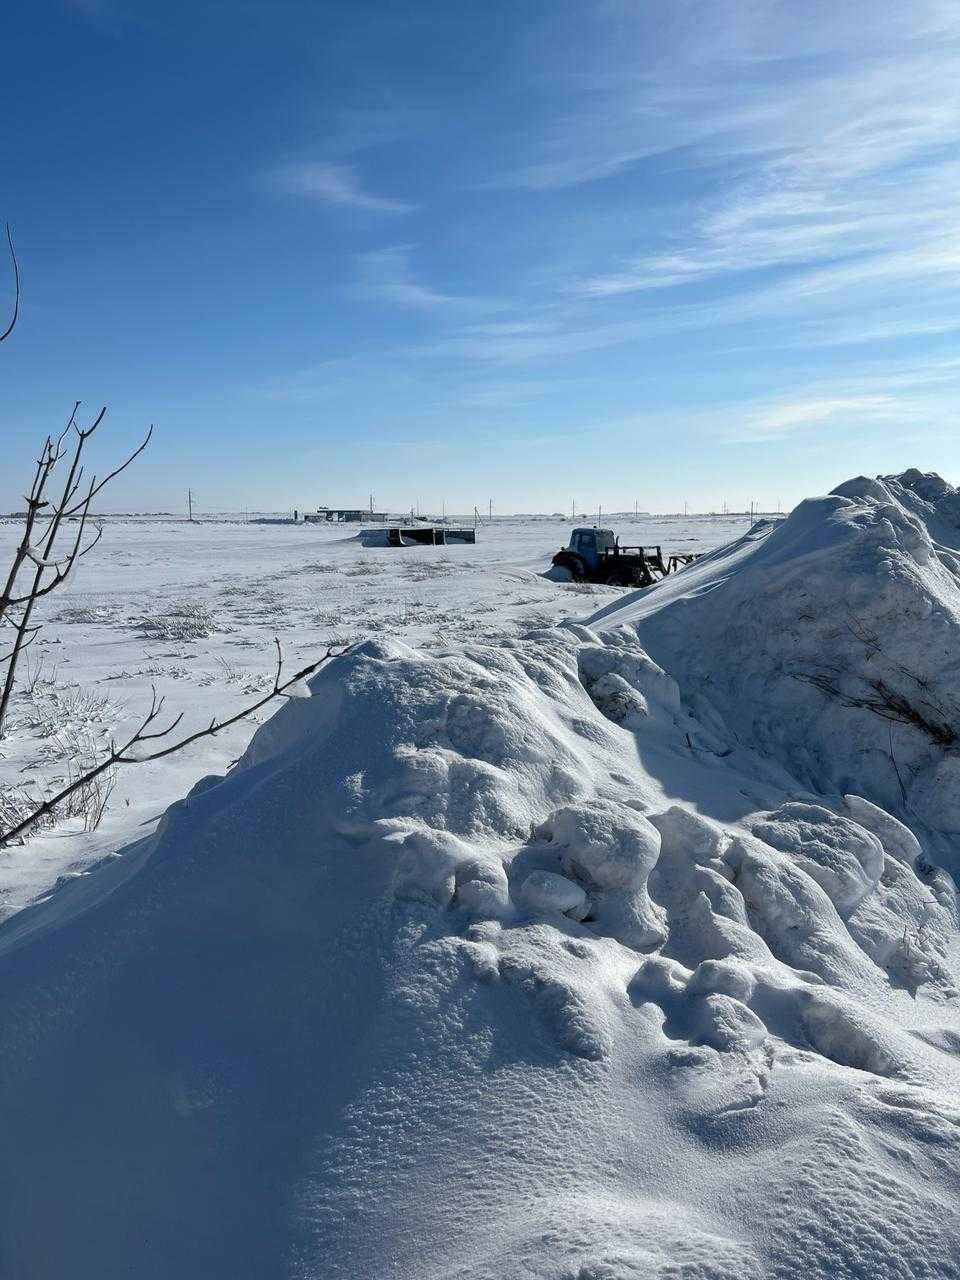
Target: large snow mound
[500,963]
[830,642]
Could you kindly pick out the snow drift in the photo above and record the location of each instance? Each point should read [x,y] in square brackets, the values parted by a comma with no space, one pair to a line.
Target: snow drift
[830,642]
[554,958]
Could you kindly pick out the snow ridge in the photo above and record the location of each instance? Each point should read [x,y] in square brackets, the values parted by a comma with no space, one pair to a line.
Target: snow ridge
[828,641]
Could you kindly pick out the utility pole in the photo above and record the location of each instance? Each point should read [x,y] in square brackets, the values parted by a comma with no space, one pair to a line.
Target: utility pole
[490,509]
[190,504]
[573,511]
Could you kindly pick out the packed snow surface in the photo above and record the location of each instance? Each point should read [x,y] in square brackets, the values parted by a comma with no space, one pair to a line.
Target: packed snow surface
[617,950]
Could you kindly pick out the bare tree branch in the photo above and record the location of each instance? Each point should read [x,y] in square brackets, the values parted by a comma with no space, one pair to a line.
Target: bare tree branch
[120,755]
[16,285]
[115,472]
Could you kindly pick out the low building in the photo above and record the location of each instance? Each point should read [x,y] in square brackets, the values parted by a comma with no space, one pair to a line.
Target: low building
[344,515]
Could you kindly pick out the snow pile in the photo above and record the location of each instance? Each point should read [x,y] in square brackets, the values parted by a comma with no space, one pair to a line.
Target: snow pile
[496,962]
[828,641]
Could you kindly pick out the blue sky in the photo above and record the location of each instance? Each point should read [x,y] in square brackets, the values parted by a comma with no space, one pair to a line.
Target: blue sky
[447,250]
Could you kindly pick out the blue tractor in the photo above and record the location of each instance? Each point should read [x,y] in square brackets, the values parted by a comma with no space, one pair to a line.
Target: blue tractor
[595,555]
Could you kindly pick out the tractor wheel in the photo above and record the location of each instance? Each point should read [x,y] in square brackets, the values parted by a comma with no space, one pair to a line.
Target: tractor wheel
[615,580]
[573,564]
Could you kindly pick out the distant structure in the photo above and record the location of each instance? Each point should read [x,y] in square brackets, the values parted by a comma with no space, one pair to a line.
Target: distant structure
[344,515]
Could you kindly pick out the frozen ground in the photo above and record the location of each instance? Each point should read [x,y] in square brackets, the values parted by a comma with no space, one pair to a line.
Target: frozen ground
[192,610]
[621,949]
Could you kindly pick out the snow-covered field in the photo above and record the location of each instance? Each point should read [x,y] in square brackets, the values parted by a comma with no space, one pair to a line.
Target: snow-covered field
[191,610]
[625,948]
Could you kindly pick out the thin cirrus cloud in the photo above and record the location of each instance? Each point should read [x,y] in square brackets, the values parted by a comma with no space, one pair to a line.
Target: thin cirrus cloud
[806,168]
[874,298]
[848,163]
[805,202]
[717,79]
[918,393]
[387,276]
[776,421]
[336,184]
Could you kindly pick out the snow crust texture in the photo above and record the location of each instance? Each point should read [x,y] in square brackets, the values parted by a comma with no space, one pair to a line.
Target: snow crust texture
[600,953]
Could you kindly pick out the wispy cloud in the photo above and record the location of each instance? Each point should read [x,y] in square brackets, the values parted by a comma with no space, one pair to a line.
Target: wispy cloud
[833,167]
[335,184]
[385,275]
[782,419]
[808,195]
[716,78]
[891,394]
[813,160]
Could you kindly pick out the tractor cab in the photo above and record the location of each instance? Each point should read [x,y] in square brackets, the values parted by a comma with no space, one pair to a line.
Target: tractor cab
[591,545]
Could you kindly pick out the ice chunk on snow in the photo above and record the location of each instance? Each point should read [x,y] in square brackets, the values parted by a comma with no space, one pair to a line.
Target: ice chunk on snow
[611,843]
[612,848]
[723,977]
[725,1023]
[546,891]
[621,656]
[618,700]
[482,887]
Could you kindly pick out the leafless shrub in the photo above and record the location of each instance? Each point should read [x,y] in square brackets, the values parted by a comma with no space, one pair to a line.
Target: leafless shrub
[16,804]
[424,570]
[184,620]
[887,688]
[364,568]
[316,566]
[36,674]
[82,613]
[877,696]
[91,798]
[39,567]
[21,805]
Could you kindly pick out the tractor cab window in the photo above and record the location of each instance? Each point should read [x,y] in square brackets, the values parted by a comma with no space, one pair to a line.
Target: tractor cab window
[583,541]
